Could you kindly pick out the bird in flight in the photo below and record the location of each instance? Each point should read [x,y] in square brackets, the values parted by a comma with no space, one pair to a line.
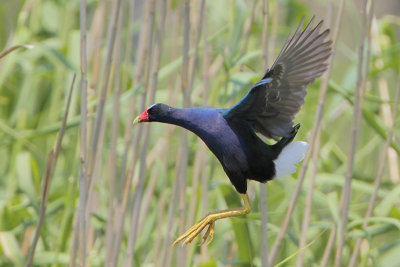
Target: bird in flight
[269,108]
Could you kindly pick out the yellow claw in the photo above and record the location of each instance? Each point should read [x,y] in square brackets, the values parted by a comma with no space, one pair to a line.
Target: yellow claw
[209,220]
[208,235]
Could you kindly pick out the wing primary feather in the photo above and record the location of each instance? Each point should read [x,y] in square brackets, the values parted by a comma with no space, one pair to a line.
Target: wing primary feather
[289,41]
[305,70]
[307,48]
[310,46]
[302,37]
[323,50]
[319,60]
[303,41]
[273,102]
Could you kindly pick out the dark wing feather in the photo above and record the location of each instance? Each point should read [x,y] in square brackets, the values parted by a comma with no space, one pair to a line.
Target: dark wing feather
[273,102]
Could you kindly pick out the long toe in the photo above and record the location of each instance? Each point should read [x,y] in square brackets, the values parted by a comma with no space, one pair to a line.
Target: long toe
[189,232]
[186,234]
[209,234]
[197,231]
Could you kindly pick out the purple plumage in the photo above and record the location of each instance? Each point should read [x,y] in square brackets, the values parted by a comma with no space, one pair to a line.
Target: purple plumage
[269,109]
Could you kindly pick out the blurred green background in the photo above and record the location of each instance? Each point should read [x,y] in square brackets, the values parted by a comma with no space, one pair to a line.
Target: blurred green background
[144,185]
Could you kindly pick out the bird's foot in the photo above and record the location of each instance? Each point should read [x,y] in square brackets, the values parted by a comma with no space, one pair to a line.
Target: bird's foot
[209,221]
[196,229]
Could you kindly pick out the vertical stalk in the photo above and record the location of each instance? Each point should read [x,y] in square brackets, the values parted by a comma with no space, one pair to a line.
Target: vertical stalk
[198,29]
[148,195]
[174,86]
[112,164]
[104,85]
[201,153]
[263,187]
[247,26]
[355,129]
[317,122]
[126,188]
[141,55]
[192,69]
[133,233]
[382,163]
[93,155]
[265,39]
[310,191]
[50,167]
[182,159]
[274,28]
[80,229]
[331,239]
[205,93]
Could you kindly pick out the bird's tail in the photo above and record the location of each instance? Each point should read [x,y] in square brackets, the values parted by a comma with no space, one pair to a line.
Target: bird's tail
[291,154]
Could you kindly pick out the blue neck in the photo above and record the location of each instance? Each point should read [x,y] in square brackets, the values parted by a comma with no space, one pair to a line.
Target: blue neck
[196,120]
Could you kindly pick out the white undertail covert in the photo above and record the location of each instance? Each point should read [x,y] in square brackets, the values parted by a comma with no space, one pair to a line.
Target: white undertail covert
[291,154]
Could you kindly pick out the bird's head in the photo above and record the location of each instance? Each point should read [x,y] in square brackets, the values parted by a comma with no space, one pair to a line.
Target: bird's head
[152,113]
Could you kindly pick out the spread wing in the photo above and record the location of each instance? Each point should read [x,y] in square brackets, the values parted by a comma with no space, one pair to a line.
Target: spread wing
[273,102]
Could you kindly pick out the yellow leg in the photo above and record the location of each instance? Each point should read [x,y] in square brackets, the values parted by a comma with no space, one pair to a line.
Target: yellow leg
[210,219]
